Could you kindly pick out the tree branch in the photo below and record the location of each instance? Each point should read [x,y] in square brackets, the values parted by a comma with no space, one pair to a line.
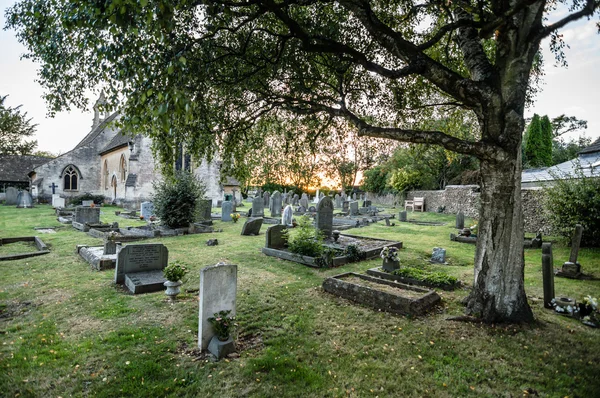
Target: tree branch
[590,7]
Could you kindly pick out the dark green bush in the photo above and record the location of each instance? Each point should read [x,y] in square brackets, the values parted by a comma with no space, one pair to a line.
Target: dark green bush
[354,253]
[306,239]
[176,199]
[575,201]
[77,200]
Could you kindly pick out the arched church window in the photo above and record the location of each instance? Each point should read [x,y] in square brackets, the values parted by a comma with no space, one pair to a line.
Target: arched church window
[70,179]
[123,167]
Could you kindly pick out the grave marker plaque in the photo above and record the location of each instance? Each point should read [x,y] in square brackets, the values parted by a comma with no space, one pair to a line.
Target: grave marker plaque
[140,258]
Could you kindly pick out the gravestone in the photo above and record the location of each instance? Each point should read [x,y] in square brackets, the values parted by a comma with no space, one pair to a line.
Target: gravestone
[402,216]
[338,201]
[295,200]
[536,242]
[572,268]
[274,237]
[10,198]
[312,209]
[59,202]
[301,209]
[354,196]
[24,200]
[548,274]
[344,196]
[110,247]
[140,267]
[286,218]
[438,256]
[55,197]
[354,208]
[147,210]
[324,219]
[266,199]
[460,220]
[87,203]
[276,204]
[204,209]
[89,215]
[226,210]
[258,207]
[218,289]
[252,226]
[285,198]
[345,206]
[304,201]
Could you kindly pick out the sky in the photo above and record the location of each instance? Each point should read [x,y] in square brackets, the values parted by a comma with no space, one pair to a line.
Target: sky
[574,91]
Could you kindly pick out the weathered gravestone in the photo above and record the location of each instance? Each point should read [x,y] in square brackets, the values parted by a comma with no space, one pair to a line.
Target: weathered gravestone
[275,237]
[258,207]
[354,208]
[266,199]
[252,226]
[402,216]
[218,289]
[295,200]
[276,204]
[312,209]
[338,201]
[147,210]
[354,196]
[367,203]
[438,256]
[24,200]
[140,267]
[460,220]
[345,206]
[10,198]
[304,201]
[90,215]
[226,210]
[110,247]
[87,203]
[287,217]
[204,209]
[324,219]
[548,274]
[572,268]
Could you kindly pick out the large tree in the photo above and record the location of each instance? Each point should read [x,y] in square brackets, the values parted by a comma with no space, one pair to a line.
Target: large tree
[202,72]
[15,128]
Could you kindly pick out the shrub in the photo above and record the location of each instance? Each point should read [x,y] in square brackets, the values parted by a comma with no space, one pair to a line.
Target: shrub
[575,201]
[354,253]
[176,199]
[77,200]
[306,239]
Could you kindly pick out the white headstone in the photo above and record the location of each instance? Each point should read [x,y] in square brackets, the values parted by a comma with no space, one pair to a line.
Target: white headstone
[286,218]
[218,288]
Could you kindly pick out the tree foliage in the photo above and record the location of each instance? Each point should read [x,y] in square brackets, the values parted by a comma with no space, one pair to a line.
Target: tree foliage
[15,128]
[176,199]
[538,143]
[202,74]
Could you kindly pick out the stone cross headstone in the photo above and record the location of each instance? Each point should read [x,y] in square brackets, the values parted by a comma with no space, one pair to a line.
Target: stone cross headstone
[548,274]
[402,216]
[266,198]
[438,256]
[460,220]
[354,208]
[258,207]
[53,186]
[252,226]
[226,210]
[218,290]
[140,267]
[89,215]
[324,219]
[10,198]
[146,210]
[276,204]
[304,201]
[274,237]
[288,213]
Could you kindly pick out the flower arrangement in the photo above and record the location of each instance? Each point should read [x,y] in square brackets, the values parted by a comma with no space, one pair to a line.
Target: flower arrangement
[222,324]
[389,254]
[112,235]
[586,310]
[235,216]
[175,271]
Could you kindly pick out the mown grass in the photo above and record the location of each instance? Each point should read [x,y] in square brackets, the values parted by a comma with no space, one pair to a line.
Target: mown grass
[67,330]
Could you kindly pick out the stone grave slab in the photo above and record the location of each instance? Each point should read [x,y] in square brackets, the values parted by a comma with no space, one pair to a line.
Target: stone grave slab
[145,282]
[94,255]
[39,244]
[141,258]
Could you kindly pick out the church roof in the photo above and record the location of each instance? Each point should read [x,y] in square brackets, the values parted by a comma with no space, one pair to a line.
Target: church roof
[15,168]
[586,165]
[230,181]
[595,147]
[117,141]
[96,131]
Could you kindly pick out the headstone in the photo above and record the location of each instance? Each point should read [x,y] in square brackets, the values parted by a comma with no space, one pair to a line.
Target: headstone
[548,274]
[402,216]
[387,222]
[226,210]
[288,213]
[204,209]
[312,209]
[362,197]
[460,220]
[344,196]
[301,209]
[438,256]
[258,207]
[110,247]
[536,242]
[285,198]
[266,198]
[324,219]
[338,201]
[295,200]
[252,226]
[87,203]
[140,267]
[345,206]
[89,215]
[354,208]
[367,203]
[55,197]
[59,202]
[10,198]
[276,204]
[274,237]
[147,210]
[304,201]
[354,196]
[575,243]
[24,200]
[218,289]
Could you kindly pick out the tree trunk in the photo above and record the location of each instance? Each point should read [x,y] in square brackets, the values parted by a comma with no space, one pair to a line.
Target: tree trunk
[498,293]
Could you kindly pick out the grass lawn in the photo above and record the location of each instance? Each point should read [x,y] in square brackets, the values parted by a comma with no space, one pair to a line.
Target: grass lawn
[68,331]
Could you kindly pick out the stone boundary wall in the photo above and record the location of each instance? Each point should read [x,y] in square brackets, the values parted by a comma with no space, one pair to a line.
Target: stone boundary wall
[466,198]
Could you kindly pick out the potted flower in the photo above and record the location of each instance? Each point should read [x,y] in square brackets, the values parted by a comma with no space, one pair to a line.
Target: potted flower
[222,342]
[390,258]
[174,272]
[587,311]
[235,217]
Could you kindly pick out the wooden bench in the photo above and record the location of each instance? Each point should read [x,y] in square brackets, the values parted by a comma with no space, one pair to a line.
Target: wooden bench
[417,204]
